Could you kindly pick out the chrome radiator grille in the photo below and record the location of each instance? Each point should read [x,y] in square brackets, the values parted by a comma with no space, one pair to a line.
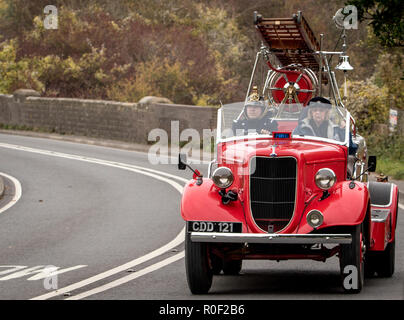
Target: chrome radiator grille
[272,192]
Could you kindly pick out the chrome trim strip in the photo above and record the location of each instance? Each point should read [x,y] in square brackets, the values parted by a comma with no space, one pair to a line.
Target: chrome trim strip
[270,238]
[219,126]
[379,220]
[210,168]
[379,215]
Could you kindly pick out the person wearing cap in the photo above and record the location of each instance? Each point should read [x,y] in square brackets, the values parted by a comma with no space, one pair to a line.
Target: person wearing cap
[255,119]
[317,122]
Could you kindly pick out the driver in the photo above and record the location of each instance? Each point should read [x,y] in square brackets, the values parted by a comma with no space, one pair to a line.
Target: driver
[317,122]
[255,118]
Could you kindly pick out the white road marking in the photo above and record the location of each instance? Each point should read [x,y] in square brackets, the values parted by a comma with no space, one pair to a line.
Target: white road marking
[130,277]
[120,165]
[401,206]
[37,273]
[11,269]
[178,240]
[17,195]
[159,175]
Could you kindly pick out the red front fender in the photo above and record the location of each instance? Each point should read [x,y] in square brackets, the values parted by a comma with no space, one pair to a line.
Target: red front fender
[203,203]
[344,206]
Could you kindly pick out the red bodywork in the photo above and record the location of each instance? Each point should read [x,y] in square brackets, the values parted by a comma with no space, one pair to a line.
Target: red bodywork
[347,204]
[344,206]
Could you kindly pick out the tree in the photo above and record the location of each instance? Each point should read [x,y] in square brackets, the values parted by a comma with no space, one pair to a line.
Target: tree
[386,19]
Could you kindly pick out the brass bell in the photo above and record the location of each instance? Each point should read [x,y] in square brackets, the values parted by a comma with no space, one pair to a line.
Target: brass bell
[344,64]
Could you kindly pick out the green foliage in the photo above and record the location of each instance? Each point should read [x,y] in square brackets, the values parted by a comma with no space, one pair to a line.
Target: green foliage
[390,152]
[368,104]
[391,167]
[390,73]
[16,74]
[157,78]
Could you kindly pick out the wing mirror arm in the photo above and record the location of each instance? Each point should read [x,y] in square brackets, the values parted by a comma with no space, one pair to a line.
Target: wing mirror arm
[182,165]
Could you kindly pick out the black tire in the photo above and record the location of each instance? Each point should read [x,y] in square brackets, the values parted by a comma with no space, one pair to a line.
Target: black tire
[199,273]
[386,261]
[352,262]
[232,267]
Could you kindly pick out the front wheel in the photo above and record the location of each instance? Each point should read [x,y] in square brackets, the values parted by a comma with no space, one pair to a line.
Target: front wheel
[352,261]
[199,273]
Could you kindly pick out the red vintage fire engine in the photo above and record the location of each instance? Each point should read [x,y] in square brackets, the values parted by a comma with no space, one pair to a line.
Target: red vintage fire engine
[295,186]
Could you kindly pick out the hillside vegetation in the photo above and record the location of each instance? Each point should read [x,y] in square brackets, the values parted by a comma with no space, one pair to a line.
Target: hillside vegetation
[190,51]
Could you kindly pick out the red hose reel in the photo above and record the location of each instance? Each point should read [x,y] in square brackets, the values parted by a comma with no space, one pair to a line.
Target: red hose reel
[292,86]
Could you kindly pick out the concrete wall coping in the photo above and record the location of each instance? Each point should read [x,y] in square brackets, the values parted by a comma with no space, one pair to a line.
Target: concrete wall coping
[112,102]
[184,106]
[10,96]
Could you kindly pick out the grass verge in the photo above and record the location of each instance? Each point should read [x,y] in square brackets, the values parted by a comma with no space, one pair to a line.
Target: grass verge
[391,168]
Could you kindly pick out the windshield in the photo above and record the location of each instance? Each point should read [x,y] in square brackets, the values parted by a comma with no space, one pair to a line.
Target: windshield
[318,121]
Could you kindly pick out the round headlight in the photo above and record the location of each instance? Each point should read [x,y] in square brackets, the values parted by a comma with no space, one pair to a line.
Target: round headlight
[325,178]
[315,218]
[223,177]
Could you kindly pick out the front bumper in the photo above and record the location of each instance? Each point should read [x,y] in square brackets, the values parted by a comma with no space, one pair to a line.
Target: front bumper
[269,238]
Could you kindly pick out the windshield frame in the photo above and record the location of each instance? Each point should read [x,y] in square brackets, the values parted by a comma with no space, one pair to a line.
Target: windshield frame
[220,120]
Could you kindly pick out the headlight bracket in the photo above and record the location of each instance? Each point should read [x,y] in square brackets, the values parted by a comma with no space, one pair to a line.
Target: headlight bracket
[325,195]
[228,196]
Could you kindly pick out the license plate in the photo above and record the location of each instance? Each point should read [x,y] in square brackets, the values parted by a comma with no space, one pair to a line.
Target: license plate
[212,226]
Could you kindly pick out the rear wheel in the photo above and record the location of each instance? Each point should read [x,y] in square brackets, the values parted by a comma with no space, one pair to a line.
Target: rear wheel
[386,262]
[198,270]
[352,261]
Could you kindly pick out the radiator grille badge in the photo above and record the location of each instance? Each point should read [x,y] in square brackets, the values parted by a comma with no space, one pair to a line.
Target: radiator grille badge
[273,153]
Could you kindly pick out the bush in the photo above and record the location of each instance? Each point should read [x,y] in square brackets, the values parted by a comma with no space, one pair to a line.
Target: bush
[182,50]
[368,103]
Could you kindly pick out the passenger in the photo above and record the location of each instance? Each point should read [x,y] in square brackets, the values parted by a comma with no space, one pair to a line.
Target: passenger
[317,122]
[255,120]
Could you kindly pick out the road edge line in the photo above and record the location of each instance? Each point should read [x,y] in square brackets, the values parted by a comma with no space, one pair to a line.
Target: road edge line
[17,194]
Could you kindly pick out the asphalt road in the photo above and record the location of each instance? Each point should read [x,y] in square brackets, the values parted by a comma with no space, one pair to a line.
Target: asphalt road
[100,222]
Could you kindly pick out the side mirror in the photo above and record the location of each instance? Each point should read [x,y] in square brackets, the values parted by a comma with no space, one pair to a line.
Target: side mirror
[372,164]
[182,161]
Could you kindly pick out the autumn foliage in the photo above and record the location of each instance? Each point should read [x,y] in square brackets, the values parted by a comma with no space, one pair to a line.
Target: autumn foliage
[190,51]
[96,54]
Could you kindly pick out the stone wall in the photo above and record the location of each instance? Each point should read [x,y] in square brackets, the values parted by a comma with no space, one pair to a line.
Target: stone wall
[130,122]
